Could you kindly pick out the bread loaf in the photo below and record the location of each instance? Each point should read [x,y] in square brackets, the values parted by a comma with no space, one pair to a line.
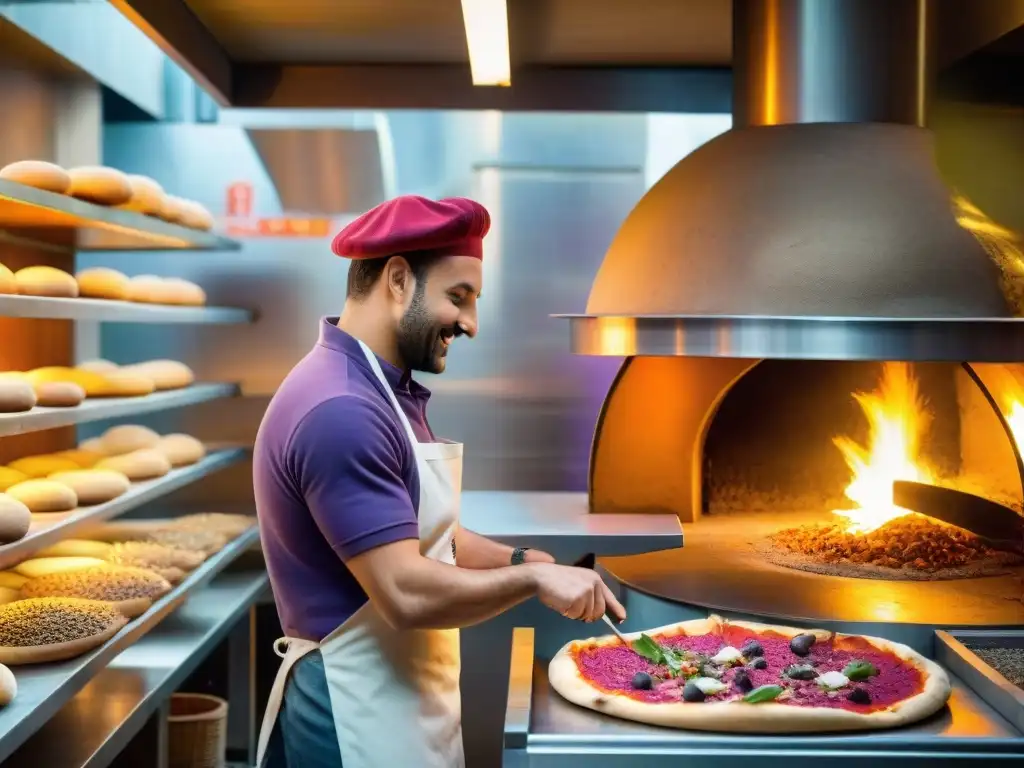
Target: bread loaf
[44,496]
[97,366]
[9,477]
[175,210]
[42,465]
[77,548]
[150,289]
[93,486]
[195,215]
[59,394]
[12,580]
[8,283]
[16,395]
[8,595]
[183,292]
[147,196]
[38,567]
[144,464]
[102,283]
[15,519]
[38,174]
[100,185]
[46,281]
[180,449]
[165,374]
[126,438]
[83,457]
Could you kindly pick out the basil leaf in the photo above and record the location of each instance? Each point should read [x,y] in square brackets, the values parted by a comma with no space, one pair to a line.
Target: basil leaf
[764,693]
[649,649]
[860,670]
[674,662]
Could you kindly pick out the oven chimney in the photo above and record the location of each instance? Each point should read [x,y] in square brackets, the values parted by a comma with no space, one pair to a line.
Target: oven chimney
[823,200]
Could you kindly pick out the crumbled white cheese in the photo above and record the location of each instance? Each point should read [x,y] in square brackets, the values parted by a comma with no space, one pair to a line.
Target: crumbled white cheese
[832,680]
[709,686]
[727,655]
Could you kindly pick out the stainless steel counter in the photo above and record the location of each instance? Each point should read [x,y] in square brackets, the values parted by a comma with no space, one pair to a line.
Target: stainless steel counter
[560,524]
[542,729]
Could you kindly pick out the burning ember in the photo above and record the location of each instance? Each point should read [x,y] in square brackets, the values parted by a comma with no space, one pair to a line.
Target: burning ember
[897,423]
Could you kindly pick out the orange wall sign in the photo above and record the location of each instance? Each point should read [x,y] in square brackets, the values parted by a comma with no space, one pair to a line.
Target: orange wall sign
[238,208]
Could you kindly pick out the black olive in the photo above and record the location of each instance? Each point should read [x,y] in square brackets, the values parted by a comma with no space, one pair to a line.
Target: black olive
[801,644]
[759,663]
[800,672]
[692,693]
[859,696]
[752,649]
[743,681]
[642,681]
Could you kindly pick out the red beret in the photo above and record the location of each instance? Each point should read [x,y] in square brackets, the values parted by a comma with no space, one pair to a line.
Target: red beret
[411,224]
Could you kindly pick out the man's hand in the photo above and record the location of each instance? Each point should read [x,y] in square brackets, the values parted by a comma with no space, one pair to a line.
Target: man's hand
[576,593]
[480,553]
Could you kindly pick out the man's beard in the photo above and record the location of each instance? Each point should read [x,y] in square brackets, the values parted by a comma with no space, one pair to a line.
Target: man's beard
[420,342]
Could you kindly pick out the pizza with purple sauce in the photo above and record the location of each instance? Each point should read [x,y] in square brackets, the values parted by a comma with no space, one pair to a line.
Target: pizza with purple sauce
[735,676]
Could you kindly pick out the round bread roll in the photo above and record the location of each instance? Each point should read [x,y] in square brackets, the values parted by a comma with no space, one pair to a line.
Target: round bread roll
[97,366]
[44,496]
[46,281]
[93,486]
[147,196]
[175,210]
[180,449]
[100,185]
[15,518]
[144,464]
[126,438]
[150,289]
[38,174]
[8,283]
[9,477]
[195,215]
[39,567]
[8,685]
[165,374]
[121,383]
[59,394]
[93,445]
[83,457]
[102,283]
[42,465]
[183,292]
[16,395]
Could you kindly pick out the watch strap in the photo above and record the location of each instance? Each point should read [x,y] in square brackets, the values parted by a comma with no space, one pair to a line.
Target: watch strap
[519,555]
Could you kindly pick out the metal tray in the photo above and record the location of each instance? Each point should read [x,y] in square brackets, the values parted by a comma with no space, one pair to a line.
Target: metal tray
[542,730]
[952,652]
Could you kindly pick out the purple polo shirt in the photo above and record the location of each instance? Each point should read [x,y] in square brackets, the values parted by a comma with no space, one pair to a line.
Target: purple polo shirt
[334,475]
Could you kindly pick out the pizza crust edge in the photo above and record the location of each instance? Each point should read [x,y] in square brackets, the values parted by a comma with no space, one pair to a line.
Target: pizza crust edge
[736,717]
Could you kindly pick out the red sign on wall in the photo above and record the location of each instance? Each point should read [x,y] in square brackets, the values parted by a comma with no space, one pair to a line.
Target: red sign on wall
[239,202]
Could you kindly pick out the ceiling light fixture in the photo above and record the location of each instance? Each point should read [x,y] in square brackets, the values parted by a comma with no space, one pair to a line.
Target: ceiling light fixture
[486,23]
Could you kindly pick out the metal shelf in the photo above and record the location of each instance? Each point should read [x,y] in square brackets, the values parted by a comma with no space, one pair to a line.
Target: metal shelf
[33,215]
[44,689]
[104,311]
[96,409]
[62,526]
[140,679]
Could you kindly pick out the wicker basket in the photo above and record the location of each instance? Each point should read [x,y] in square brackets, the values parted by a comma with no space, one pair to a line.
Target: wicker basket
[197,731]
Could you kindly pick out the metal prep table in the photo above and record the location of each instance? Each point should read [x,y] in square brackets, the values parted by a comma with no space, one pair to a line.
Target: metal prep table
[543,730]
[561,524]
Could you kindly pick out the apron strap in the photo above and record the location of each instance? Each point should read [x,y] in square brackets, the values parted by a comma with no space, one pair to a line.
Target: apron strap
[290,649]
[375,365]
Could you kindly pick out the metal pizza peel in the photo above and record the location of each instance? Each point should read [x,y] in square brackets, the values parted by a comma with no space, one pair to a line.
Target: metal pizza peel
[998,525]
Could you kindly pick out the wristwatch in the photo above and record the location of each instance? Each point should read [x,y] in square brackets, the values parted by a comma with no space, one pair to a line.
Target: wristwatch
[519,555]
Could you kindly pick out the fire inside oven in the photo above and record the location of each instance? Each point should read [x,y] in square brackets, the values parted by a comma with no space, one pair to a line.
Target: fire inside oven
[782,471]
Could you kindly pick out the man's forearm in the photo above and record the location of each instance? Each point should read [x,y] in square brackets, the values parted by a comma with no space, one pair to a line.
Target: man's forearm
[480,553]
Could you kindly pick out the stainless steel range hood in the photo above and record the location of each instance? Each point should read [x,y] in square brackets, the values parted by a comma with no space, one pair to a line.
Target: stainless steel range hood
[326,172]
[818,227]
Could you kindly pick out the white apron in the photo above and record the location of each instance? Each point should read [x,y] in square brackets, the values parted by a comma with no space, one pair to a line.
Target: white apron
[394,694]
